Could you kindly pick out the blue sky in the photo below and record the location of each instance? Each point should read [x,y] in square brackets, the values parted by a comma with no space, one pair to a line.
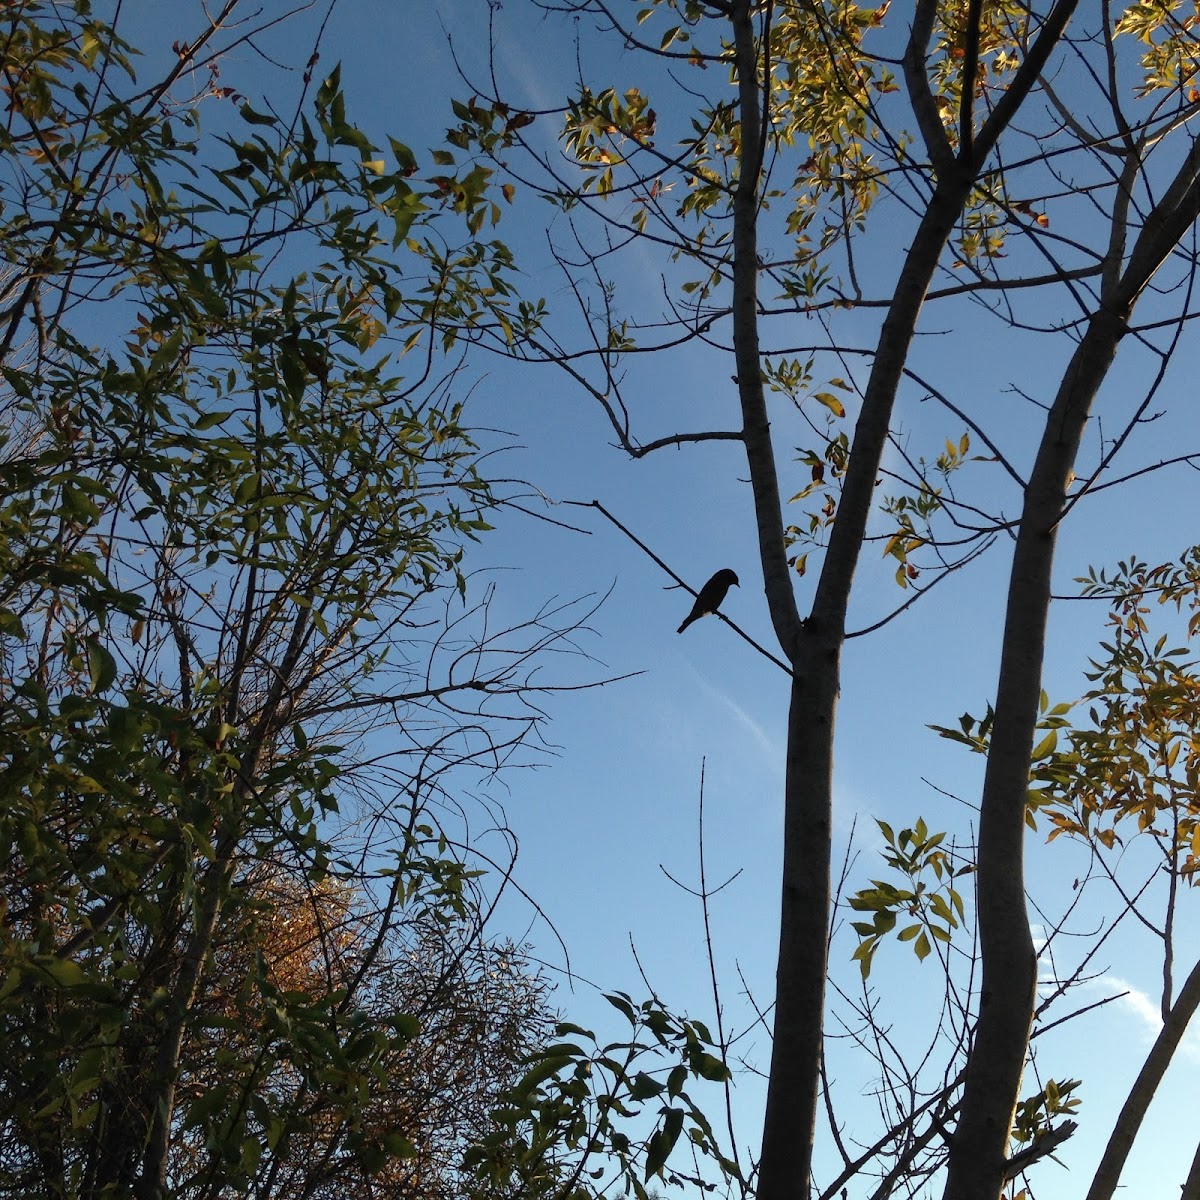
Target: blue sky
[601,820]
[598,825]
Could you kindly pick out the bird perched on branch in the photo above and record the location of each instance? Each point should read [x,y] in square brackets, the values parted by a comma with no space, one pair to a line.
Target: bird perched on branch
[710,597]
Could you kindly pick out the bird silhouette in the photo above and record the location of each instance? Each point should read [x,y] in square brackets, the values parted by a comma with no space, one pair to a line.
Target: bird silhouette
[710,597]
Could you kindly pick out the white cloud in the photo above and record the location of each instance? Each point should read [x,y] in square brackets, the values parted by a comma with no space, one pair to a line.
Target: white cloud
[760,736]
[1145,1010]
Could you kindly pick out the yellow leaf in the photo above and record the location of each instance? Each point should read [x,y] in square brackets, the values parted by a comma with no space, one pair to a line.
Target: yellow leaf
[831,402]
[1045,747]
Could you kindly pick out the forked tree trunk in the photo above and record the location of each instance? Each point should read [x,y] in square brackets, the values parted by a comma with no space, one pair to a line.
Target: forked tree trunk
[814,646]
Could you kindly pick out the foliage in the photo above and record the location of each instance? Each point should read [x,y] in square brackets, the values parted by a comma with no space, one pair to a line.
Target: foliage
[570,1121]
[939,909]
[1133,766]
[241,948]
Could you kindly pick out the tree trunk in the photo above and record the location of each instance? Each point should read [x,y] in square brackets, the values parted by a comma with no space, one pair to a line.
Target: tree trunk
[814,647]
[1007,987]
[1007,991]
[803,936]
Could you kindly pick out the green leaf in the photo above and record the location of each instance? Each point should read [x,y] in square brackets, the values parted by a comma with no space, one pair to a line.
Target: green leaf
[206,1106]
[644,1087]
[544,1070]
[622,1003]
[941,908]
[399,1146]
[102,667]
[10,623]
[63,972]
[708,1066]
[1046,746]
[662,1141]
[256,118]
[864,953]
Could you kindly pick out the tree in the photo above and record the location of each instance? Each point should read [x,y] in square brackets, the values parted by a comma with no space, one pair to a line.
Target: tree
[1051,182]
[240,678]
[467,1011]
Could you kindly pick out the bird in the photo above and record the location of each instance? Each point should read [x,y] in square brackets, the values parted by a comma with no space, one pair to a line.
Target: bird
[710,597]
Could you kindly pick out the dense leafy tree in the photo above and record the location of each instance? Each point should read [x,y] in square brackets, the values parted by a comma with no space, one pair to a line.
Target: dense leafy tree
[241,946]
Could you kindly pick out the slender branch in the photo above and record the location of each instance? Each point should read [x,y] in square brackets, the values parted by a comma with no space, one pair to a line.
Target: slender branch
[1027,75]
[929,121]
[970,70]
[919,592]
[687,587]
[1043,1146]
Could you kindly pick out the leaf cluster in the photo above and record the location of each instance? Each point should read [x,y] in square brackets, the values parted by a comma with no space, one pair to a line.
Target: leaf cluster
[937,909]
[585,1111]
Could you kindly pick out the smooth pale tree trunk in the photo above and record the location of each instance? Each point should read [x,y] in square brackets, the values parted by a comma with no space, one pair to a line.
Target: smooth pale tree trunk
[978,1151]
[1007,991]
[790,1121]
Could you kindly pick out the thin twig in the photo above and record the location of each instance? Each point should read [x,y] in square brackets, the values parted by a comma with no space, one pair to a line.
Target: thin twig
[687,587]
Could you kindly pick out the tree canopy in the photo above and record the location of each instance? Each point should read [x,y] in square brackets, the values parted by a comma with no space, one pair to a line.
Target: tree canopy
[244,680]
